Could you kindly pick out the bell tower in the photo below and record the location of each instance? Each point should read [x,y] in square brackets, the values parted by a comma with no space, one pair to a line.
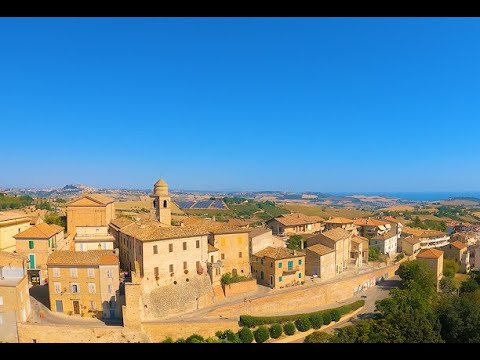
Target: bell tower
[160,210]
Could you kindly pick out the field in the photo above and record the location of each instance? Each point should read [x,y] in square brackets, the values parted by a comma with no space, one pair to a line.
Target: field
[457,202]
[326,212]
[137,205]
[208,212]
[399,208]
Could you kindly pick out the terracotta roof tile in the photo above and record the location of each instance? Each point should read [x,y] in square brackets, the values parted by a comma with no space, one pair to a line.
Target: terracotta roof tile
[339,220]
[7,216]
[102,199]
[8,258]
[151,232]
[297,219]
[386,236]
[278,253]
[421,233]
[121,222]
[91,257]
[258,231]
[40,231]
[430,254]
[237,222]
[459,245]
[370,222]
[320,249]
[336,234]
[412,240]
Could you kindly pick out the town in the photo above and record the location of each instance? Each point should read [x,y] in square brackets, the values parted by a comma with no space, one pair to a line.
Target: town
[152,276]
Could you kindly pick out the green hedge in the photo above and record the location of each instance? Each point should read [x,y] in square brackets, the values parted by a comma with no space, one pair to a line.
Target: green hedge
[253,321]
[289,328]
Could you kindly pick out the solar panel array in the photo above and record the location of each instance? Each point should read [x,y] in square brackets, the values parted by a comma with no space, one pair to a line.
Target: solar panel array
[203,204]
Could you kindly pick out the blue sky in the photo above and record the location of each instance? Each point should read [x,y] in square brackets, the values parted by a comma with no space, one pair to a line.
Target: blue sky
[319,104]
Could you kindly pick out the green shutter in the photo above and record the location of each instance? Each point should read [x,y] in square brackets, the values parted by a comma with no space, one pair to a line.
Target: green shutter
[31,265]
[31,244]
[280,279]
[299,275]
[300,262]
[280,265]
[290,265]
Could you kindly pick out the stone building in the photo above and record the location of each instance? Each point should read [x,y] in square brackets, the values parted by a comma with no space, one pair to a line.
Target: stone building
[434,259]
[320,261]
[11,224]
[93,238]
[341,222]
[295,224]
[89,210]
[458,251]
[160,209]
[260,238]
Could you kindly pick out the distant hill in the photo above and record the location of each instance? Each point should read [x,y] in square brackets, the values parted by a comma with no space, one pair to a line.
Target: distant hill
[467,201]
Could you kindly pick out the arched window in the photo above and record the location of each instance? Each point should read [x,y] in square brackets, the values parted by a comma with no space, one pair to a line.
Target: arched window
[154,203]
[164,203]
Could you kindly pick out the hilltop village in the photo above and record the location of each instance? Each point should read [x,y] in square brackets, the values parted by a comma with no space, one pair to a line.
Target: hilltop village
[133,276]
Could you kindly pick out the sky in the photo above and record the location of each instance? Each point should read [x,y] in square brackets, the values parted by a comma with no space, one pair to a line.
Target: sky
[292,104]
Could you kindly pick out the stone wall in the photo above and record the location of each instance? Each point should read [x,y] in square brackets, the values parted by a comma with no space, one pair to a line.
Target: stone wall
[304,298]
[240,287]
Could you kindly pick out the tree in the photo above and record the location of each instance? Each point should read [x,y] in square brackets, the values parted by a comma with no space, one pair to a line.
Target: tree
[450,268]
[289,328]
[261,334]
[373,253]
[44,206]
[295,242]
[318,337]
[245,335]
[276,331]
[417,275]
[54,218]
[317,321]
[226,279]
[417,223]
[468,286]
[447,285]
[195,339]
[303,324]
[168,339]
[327,318]
[335,314]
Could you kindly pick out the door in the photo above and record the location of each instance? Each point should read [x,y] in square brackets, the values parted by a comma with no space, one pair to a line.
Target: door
[34,277]
[112,313]
[76,307]
[31,264]
[59,306]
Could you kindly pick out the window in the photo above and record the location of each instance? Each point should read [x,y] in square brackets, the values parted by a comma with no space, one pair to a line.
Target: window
[170,268]
[279,265]
[155,249]
[109,273]
[165,204]
[299,275]
[240,254]
[261,275]
[93,305]
[1,300]
[184,245]
[271,264]
[74,288]
[198,244]
[56,272]
[155,271]
[223,256]
[31,263]
[300,262]
[90,273]
[261,261]
[185,265]
[57,288]
[73,272]
[110,289]
[280,278]
[290,265]
[170,247]
[91,288]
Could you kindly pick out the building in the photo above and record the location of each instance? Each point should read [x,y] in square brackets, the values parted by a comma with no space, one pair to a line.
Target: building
[410,245]
[279,267]
[372,227]
[115,228]
[338,239]
[396,224]
[93,238]
[467,237]
[295,224]
[386,242]
[89,210]
[428,238]
[37,243]
[160,210]
[359,250]
[341,222]
[434,259]
[458,251]
[260,238]
[320,261]
[36,220]
[451,226]
[84,283]
[10,225]
[239,223]
[14,295]
[475,257]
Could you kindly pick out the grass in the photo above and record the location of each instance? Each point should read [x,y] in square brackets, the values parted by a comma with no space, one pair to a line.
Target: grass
[326,212]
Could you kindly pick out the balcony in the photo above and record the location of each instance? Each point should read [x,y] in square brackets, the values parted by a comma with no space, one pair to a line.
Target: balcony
[290,271]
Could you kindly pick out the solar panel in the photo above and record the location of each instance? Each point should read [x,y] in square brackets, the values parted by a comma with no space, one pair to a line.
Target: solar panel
[184,204]
[202,204]
[218,204]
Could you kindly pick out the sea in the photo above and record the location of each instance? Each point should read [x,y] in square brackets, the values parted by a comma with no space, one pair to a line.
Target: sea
[419,196]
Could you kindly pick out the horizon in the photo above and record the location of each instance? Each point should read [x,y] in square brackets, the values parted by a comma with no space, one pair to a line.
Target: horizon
[291,104]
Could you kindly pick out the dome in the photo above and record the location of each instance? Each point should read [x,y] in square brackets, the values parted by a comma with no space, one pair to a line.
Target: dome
[160,187]
[161,182]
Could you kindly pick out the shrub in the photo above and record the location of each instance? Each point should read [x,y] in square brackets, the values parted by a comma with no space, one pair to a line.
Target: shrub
[195,338]
[318,337]
[335,315]
[211,340]
[180,341]
[228,336]
[276,331]
[327,318]
[245,335]
[316,320]
[289,328]
[303,324]
[226,279]
[168,339]
[261,334]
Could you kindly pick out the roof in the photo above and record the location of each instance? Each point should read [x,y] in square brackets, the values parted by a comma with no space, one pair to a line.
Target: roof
[391,219]
[370,222]
[278,253]
[320,249]
[7,216]
[258,231]
[387,235]
[336,234]
[459,245]
[91,257]
[412,240]
[211,248]
[339,220]
[430,254]
[101,199]
[297,219]
[161,182]
[237,222]
[421,233]
[195,220]
[361,238]
[35,219]
[218,227]
[8,258]
[121,222]
[40,231]
[153,232]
